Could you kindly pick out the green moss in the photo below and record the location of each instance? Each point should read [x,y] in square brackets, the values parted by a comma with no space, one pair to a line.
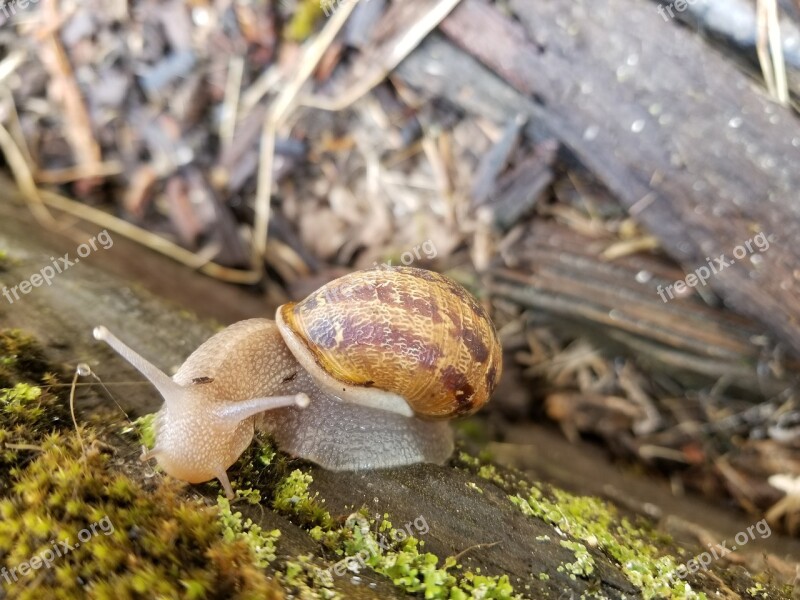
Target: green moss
[597,524]
[260,467]
[383,549]
[481,586]
[305,18]
[22,360]
[144,427]
[262,543]
[584,563]
[474,486]
[592,520]
[74,526]
[29,412]
[468,460]
[266,454]
[307,580]
[166,545]
[758,591]
[292,496]
[490,472]
[399,558]
[22,401]
[155,542]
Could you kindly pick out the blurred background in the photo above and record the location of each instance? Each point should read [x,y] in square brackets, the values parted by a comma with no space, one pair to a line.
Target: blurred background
[617,182]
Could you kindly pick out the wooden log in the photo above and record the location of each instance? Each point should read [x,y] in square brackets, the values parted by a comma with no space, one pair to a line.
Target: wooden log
[694,150]
[468,515]
[563,274]
[732,27]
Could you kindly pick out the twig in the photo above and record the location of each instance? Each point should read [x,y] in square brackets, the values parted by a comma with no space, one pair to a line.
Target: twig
[72,412]
[155,242]
[23,447]
[82,171]
[405,45]
[78,124]
[15,126]
[769,48]
[262,86]
[280,110]
[193,260]
[230,106]
[24,178]
[475,547]
[776,49]
[628,247]
[10,63]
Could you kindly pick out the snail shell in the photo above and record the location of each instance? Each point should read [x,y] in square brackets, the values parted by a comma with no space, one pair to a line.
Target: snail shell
[409,332]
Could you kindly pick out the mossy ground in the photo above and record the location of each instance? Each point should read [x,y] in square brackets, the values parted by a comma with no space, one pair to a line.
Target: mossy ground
[169,541]
[363,543]
[156,542]
[646,556]
[27,412]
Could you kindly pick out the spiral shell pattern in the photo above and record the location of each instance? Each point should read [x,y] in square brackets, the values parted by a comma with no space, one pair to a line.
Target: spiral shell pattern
[409,331]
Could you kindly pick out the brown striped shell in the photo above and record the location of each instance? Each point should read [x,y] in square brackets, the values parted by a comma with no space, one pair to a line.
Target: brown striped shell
[415,333]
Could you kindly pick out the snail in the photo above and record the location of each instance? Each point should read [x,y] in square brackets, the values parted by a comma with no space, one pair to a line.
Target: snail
[363,374]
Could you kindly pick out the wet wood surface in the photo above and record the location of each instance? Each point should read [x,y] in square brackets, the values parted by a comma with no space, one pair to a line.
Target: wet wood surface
[562,273]
[687,143]
[62,316]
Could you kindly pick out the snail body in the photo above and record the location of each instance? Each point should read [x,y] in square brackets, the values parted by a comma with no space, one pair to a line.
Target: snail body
[362,374]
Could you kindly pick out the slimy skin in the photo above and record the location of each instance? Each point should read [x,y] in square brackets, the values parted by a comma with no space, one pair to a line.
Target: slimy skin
[207,419]
[362,374]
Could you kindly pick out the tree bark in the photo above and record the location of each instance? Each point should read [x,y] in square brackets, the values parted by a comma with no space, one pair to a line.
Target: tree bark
[691,146]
